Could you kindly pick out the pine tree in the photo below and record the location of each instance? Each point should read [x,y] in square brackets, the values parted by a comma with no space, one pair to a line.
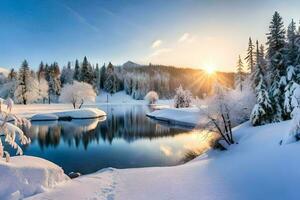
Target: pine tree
[292,49]
[26,89]
[239,75]
[97,78]
[67,75]
[276,65]
[255,76]
[250,56]
[289,89]
[102,76]
[262,59]
[54,83]
[110,84]
[262,111]
[12,75]
[41,71]
[77,71]
[84,73]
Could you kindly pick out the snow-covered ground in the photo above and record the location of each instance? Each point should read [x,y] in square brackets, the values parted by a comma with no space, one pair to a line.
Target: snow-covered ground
[26,175]
[255,168]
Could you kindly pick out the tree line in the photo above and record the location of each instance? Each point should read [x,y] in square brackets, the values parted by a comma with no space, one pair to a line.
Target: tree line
[45,84]
[273,73]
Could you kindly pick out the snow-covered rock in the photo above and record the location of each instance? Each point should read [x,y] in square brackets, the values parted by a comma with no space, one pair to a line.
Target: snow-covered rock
[179,116]
[44,117]
[24,176]
[83,113]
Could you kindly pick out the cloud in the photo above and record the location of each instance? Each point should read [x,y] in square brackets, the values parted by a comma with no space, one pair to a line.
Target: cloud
[184,37]
[156,44]
[80,18]
[159,52]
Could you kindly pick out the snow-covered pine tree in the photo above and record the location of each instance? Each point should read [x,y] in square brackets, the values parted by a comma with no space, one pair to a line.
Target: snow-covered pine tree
[255,76]
[239,77]
[289,89]
[262,60]
[97,79]
[110,84]
[294,132]
[262,110]
[41,71]
[86,73]
[54,83]
[276,65]
[102,76]
[77,71]
[67,74]
[250,56]
[27,88]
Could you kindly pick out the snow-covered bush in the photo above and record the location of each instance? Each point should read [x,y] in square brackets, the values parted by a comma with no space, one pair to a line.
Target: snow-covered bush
[77,93]
[10,132]
[151,97]
[226,109]
[294,132]
[183,98]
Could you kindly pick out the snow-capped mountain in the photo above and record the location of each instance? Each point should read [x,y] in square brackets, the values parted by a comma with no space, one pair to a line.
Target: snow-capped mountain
[4,71]
[131,64]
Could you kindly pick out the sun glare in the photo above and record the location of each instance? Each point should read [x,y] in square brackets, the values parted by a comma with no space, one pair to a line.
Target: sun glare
[210,69]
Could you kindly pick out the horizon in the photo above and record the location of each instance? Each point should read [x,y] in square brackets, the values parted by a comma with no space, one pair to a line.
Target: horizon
[188,34]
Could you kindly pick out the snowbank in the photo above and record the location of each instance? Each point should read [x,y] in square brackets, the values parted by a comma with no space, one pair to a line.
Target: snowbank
[84,113]
[24,176]
[178,116]
[256,168]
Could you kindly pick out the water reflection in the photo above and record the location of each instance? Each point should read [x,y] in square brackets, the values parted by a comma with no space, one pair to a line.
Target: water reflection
[125,138]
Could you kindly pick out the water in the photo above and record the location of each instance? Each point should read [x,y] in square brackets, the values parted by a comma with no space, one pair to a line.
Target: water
[125,139]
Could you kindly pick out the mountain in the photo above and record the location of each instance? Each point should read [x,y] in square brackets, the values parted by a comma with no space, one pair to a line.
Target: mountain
[130,64]
[4,71]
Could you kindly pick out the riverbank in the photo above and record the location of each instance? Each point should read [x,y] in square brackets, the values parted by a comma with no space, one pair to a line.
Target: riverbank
[256,168]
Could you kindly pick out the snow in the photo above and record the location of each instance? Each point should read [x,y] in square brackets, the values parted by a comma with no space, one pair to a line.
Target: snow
[256,168]
[24,176]
[179,116]
[44,117]
[83,113]
[49,111]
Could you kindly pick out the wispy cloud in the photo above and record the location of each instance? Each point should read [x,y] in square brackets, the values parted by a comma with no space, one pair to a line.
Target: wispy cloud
[156,44]
[187,37]
[184,37]
[80,18]
[159,52]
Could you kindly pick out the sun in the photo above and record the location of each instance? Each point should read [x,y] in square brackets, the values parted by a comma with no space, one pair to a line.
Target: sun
[209,69]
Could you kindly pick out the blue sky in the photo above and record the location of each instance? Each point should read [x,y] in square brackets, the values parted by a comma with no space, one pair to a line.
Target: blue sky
[185,33]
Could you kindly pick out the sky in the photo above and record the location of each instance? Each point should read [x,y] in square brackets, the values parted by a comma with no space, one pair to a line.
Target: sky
[183,33]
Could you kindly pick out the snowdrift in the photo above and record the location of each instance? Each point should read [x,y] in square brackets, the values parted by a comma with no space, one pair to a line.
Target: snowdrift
[24,176]
[179,116]
[84,113]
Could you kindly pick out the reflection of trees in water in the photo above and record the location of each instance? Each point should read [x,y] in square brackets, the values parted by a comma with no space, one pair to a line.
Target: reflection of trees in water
[128,124]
